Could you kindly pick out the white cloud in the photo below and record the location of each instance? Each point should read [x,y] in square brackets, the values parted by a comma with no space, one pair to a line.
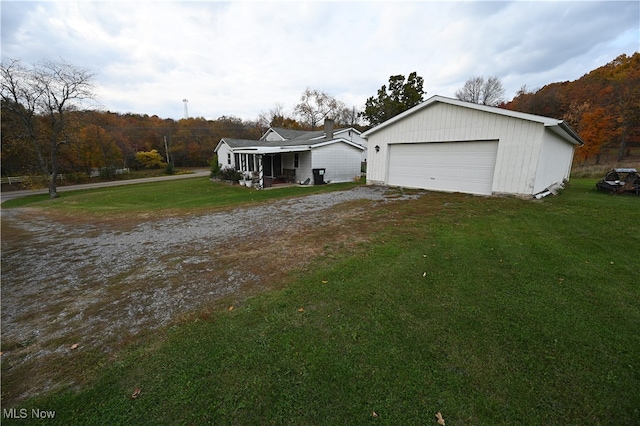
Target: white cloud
[241,58]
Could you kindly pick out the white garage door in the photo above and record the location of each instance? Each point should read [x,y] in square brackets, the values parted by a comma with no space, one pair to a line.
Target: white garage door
[444,166]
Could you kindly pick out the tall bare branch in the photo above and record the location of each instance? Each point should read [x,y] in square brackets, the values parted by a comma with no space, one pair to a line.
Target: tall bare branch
[49,89]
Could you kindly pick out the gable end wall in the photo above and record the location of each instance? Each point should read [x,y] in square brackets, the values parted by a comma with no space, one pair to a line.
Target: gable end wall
[341,161]
[223,152]
[556,159]
[519,143]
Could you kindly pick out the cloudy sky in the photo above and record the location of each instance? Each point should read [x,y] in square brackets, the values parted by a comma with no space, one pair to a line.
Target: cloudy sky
[241,58]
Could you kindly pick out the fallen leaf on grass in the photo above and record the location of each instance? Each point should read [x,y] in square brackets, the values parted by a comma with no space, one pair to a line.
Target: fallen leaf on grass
[301,310]
[74,346]
[136,393]
[424,275]
[374,414]
[324,281]
[230,308]
[440,419]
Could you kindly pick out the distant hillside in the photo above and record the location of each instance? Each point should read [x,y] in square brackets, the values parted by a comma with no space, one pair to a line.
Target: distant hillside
[603,106]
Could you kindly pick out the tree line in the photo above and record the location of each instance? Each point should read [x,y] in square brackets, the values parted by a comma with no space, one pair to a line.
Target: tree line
[48,126]
[603,106]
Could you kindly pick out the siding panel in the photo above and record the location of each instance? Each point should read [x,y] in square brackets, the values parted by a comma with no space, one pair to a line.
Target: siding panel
[341,161]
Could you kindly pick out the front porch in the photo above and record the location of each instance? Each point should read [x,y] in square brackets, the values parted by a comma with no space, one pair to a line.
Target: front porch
[267,168]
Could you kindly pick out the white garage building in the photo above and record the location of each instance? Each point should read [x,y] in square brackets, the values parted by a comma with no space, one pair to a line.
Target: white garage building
[449,145]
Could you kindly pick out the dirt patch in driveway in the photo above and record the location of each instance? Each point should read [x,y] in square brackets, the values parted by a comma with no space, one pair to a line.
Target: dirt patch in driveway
[74,281]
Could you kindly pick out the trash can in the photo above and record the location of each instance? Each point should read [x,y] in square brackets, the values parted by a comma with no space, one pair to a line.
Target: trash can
[318,176]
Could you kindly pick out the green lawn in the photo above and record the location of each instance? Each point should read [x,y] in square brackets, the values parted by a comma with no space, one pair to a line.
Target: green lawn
[194,193]
[492,311]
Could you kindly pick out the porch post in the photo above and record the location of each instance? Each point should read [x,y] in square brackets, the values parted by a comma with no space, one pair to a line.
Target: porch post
[260,170]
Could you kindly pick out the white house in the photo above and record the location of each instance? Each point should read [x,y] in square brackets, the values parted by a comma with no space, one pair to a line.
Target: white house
[449,145]
[296,155]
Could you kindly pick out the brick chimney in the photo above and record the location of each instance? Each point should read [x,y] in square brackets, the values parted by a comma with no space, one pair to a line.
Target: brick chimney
[328,128]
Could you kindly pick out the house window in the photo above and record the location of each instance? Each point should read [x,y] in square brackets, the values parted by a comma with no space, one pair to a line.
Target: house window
[229,158]
[296,160]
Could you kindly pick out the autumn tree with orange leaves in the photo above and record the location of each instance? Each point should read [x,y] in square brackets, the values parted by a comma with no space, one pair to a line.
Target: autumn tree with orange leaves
[603,106]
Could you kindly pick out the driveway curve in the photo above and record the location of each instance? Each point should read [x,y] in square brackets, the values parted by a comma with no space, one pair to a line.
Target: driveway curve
[89,284]
[9,195]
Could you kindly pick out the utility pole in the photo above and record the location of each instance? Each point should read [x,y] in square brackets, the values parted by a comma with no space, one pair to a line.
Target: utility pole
[166,149]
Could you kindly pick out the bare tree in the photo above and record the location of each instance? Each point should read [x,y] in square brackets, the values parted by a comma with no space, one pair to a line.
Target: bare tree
[349,117]
[19,104]
[40,98]
[480,91]
[315,106]
[266,119]
[471,91]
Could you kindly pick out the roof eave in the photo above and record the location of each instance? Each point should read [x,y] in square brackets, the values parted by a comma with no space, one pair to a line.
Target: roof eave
[222,141]
[577,140]
[270,149]
[343,140]
[547,121]
[398,117]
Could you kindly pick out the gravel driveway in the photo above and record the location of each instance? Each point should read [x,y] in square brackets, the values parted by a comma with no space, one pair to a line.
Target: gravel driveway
[86,283]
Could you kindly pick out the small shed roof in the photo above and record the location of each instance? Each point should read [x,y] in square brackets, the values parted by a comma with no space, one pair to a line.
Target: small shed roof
[555,125]
[284,134]
[291,134]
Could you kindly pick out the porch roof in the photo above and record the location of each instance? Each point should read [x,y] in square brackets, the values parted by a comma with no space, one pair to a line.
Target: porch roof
[271,149]
[236,144]
[246,146]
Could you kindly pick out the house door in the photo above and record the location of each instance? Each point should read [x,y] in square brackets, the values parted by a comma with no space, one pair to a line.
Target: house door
[272,165]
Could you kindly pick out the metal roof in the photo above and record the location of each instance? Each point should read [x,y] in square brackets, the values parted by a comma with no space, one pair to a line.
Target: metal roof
[558,126]
[291,134]
[295,140]
[247,146]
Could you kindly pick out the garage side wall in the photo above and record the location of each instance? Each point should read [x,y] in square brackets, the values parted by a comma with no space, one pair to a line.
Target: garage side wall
[341,161]
[556,159]
[519,142]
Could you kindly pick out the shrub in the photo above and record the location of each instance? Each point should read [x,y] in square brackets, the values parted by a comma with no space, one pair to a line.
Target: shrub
[150,159]
[215,166]
[107,172]
[229,173]
[35,182]
[76,177]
